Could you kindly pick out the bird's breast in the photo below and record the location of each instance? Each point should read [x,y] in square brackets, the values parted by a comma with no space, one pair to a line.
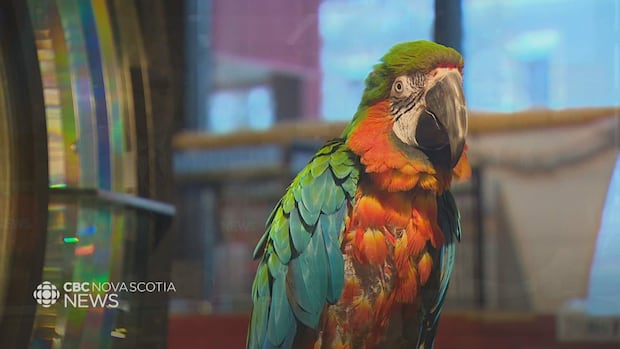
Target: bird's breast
[385,245]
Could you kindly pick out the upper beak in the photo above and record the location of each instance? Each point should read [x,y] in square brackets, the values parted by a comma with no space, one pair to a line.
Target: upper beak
[444,120]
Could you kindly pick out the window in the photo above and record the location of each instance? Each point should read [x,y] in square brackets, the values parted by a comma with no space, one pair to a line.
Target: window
[544,58]
[241,108]
[352,44]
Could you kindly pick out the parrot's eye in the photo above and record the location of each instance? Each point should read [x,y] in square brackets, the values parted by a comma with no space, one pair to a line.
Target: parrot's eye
[398,87]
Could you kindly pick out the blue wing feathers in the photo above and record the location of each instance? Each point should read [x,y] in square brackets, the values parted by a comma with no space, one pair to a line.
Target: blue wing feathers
[335,282]
[302,266]
[298,232]
[281,322]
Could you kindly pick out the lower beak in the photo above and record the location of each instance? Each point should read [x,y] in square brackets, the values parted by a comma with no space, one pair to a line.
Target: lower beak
[444,120]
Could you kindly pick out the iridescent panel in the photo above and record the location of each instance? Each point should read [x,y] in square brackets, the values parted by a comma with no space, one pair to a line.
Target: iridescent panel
[86,243]
[113,93]
[101,109]
[58,95]
[81,74]
[81,85]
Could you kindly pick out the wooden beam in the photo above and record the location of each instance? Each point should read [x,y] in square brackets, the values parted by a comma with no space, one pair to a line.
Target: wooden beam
[246,174]
[284,133]
[538,119]
[479,123]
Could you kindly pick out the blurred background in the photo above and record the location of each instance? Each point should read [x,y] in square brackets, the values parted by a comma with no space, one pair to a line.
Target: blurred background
[150,139]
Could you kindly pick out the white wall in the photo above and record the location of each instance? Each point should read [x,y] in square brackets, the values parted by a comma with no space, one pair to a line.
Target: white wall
[543,223]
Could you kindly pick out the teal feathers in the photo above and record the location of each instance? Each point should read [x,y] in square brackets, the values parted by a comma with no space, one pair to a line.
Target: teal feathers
[301,267]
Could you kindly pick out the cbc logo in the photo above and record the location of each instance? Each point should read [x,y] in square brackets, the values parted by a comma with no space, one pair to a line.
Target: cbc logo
[46,294]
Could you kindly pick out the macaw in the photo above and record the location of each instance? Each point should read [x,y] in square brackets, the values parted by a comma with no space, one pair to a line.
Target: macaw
[358,252]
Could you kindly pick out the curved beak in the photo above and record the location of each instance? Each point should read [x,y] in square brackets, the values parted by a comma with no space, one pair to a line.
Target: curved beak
[444,120]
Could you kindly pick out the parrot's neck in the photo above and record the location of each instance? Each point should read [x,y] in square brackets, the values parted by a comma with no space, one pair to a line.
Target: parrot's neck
[388,166]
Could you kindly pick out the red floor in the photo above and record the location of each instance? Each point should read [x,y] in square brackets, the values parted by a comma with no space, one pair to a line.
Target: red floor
[455,331]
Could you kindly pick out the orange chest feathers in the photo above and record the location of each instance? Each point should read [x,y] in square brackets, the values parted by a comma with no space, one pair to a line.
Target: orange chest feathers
[390,230]
[387,263]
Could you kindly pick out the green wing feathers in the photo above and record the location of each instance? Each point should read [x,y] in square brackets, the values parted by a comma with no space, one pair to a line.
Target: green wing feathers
[301,267]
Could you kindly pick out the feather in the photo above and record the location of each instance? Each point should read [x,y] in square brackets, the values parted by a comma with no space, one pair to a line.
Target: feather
[258,323]
[260,246]
[299,234]
[328,148]
[279,233]
[448,219]
[318,165]
[302,268]
[339,158]
[333,196]
[374,246]
[317,255]
[288,203]
[281,321]
[309,272]
[307,302]
[261,283]
[350,185]
[341,171]
[261,296]
[313,197]
[424,267]
[331,227]
[276,268]
[272,214]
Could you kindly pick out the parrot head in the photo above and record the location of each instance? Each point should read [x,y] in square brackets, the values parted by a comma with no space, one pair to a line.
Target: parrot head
[419,88]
